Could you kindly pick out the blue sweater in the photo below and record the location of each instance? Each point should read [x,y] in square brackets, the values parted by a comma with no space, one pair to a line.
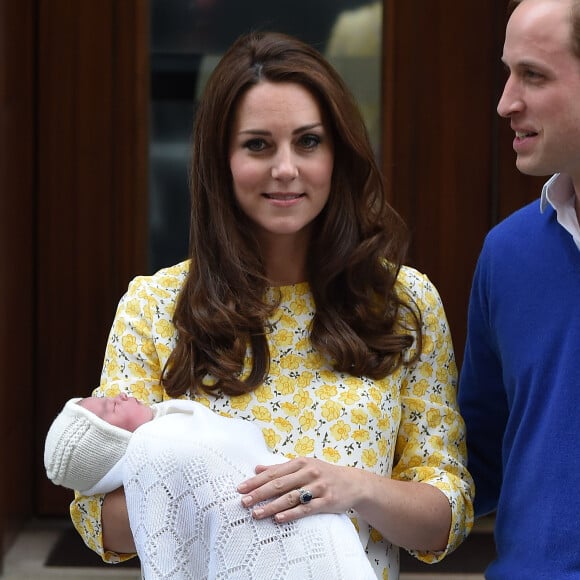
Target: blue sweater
[520,395]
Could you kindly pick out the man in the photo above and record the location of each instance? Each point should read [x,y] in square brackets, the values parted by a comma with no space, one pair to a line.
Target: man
[520,382]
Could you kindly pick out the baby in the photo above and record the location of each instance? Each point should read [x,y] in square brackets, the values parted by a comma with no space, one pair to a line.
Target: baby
[180,464]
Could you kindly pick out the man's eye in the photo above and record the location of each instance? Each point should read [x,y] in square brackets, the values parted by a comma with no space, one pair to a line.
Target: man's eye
[532,75]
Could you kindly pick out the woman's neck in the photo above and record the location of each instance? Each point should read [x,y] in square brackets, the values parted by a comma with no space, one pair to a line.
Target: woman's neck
[285,260]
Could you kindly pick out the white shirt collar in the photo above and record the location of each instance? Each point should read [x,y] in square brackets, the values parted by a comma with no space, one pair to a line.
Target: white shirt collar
[558,191]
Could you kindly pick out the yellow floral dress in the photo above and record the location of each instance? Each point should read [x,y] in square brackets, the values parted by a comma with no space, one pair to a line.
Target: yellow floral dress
[405,426]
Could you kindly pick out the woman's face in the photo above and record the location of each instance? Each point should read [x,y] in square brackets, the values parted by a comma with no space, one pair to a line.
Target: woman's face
[281,158]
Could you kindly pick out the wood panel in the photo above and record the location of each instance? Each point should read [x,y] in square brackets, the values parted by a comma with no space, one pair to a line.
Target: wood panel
[447,155]
[16,264]
[92,173]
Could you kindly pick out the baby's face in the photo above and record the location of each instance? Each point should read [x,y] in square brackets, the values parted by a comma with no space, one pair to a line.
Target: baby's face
[122,411]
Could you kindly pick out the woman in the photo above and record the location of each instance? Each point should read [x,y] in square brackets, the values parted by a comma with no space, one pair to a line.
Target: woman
[295,311]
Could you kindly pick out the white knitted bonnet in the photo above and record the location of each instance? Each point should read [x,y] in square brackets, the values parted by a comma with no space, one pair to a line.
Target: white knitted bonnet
[80,448]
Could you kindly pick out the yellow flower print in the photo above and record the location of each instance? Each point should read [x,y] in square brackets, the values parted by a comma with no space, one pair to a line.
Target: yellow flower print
[283,338]
[141,390]
[326,392]
[436,399]
[442,375]
[164,351]
[313,361]
[171,282]
[359,417]
[149,308]
[431,300]
[302,344]
[303,399]
[374,410]
[304,446]
[375,395]
[436,442]
[305,379]
[360,435]
[420,388]
[285,385]
[350,397]
[375,536]
[331,455]
[415,406]
[112,369]
[165,329]
[119,327]
[142,328]
[428,345]
[283,424]
[129,344]
[425,370]
[352,382]
[262,413]
[299,307]
[327,375]
[137,370]
[94,509]
[307,420]
[287,321]
[331,410]
[157,392]
[396,414]
[384,423]
[453,433]
[369,457]
[430,320]
[272,438]
[435,460]
[382,446]
[264,394]
[290,409]
[133,307]
[340,430]
[160,291]
[91,528]
[240,402]
[433,418]
[290,362]
[148,348]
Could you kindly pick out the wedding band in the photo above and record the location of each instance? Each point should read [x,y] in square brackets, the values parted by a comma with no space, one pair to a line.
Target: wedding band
[304,496]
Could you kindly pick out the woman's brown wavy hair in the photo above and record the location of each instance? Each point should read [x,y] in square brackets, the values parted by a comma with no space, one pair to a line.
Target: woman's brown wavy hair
[357,247]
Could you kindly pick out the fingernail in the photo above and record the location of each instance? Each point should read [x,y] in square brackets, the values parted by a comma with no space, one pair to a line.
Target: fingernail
[246,501]
[242,487]
[258,512]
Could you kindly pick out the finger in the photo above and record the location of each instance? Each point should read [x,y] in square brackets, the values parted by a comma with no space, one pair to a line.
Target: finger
[266,474]
[287,507]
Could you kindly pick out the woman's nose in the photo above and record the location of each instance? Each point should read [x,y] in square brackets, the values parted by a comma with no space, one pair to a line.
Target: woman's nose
[284,167]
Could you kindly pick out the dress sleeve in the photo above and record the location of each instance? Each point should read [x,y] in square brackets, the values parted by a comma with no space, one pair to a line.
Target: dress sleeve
[431,439]
[140,341]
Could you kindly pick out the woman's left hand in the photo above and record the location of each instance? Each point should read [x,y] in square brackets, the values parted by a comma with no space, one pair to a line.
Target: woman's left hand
[333,489]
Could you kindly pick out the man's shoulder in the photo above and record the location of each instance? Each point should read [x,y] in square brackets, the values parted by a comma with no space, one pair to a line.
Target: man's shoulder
[521,222]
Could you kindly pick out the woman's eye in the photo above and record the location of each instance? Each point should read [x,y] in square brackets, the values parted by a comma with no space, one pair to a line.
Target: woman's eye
[255,144]
[309,141]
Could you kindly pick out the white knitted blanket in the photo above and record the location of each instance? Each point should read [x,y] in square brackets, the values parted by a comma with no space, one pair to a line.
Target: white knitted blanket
[188,521]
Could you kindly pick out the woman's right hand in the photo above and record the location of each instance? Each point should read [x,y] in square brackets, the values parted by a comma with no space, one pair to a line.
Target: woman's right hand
[117,536]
